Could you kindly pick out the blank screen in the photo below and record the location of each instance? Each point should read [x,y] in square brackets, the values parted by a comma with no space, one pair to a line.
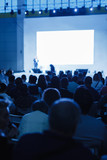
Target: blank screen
[65,47]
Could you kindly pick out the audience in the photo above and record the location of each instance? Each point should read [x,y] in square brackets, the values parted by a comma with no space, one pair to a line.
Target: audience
[95,94]
[80,78]
[15,92]
[103,90]
[34,99]
[7,98]
[61,73]
[11,84]
[6,127]
[24,101]
[65,93]
[40,105]
[24,79]
[50,95]
[97,82]
[37,120]
[32,87]
[42,82]
[73,84]
[3,77]
[103,107]
[56,142]
[55,82]
[7,75]
[7,131]
[89,127]
[69,75]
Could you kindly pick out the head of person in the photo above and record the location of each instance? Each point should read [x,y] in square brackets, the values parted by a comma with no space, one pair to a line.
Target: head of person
[61,73]
[12,79]
[75,79]
[55,82]
[75,73]
[83,97]
[88,81]
[18,81]
[4,114]
[96,77]
[23,77]
[39,105]
[42,82]
[64,115]
[69,74]
[9,72]
[32,79]
[64,82]
[50,95]
[52,68]
[2,87]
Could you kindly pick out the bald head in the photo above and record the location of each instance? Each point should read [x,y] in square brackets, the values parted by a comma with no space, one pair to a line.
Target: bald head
[64,116]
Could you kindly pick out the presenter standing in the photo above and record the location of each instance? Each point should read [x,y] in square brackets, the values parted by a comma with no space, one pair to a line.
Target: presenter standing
[35,60]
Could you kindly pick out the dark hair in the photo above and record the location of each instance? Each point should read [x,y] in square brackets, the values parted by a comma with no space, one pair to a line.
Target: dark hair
[50,95]
[32,79]
[42,83]
[23,76]
[12,78]
[88,80]
[96,77]
[18,81]
[55,82]
[2,87]
[40,106]
[75,79]
[64,82]
[9,72]
[83,97]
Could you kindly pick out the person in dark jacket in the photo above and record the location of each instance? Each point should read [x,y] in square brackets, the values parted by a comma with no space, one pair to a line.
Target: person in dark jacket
[57,142]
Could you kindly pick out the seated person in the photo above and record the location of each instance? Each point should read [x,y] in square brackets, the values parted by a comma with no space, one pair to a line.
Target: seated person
[89,126]
[50,95]
[52,68]
[24,79]
[6,97]
[24,101]
[37,121]
[97,82]
[7,131]
[65,93]
[95,94]
[11,84]
[55,82]
[73,84]
[55,143]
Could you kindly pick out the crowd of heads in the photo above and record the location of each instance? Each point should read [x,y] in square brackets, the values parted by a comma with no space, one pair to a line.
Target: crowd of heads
[63,97]
[50,87]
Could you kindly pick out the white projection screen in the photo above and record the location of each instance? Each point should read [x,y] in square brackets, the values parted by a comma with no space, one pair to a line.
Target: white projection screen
[71,47]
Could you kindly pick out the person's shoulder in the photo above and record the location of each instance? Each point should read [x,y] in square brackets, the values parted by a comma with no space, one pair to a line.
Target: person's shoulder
[34,115]
[95,121]
[26,146]
[29,138]
[79,150]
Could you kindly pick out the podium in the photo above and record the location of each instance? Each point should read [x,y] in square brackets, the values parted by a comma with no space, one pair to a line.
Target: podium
[36,70]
